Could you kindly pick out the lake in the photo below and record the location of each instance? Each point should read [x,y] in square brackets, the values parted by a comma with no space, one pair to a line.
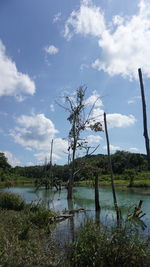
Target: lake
[84,198]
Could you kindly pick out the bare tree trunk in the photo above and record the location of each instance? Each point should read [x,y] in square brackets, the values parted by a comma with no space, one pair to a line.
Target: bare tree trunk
[50,167]
[97,205]
[145,134]
[111,173]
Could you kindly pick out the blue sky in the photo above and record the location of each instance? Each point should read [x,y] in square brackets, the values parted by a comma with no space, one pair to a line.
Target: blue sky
[48,49]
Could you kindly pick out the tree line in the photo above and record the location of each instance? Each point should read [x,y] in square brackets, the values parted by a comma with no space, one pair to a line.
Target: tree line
[122,161]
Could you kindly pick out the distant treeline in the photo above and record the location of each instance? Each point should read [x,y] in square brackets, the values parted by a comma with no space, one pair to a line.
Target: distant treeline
[121,162]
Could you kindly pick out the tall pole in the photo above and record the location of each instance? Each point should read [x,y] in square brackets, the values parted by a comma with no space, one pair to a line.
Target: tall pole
[111,172]
[51,155]
[51,152]
[145,133]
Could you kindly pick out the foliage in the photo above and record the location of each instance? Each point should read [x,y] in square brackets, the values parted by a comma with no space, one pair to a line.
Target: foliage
[4,162]
[24,244]
[99,246]
[39,215]
[11,201]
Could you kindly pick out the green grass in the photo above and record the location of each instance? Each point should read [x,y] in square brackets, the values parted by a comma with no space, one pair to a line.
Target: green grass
[104,247]
[25,234]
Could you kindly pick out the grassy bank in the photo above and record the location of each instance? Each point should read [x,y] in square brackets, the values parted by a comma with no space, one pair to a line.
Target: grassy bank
[16,182]
[104,247]
[140,180]
[25,234]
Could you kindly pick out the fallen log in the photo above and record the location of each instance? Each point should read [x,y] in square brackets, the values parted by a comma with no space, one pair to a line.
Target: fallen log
[74,211]
[137,213]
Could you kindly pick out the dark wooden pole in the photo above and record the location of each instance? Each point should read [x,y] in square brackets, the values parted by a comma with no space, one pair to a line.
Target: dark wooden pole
[50,167]
[97,205]
[145,134]
[111,172]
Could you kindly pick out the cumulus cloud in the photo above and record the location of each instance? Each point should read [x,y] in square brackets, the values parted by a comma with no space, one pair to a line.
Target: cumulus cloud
[13,161]
[119,120]
[112,148]
[88,19]
[94,99]
[123,45]
[114,120]
[124,48]
[36,132]
[60,150]
[51,50]
[13,82]
[93,139]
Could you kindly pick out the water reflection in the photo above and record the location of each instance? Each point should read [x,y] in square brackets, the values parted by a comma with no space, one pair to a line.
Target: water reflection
[84,198]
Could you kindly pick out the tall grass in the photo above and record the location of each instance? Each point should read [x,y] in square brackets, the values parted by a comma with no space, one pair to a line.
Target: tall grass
[99,246]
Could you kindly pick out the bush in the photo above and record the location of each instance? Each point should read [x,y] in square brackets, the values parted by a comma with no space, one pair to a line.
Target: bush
[99,246]
[41,216]
[11,201]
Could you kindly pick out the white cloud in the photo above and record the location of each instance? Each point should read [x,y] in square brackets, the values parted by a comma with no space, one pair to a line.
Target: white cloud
[134,99]
[113,120]
[131,101]
[57,17]
[51,50]
[29,163]
[28,148]
[45,156]
[125,47]
[59,152]
[94,99]
[52,107]
[123,41]
[84,66]
[112,148]
[13,161]
[119,120]
[133,149]
[93,139]
[36,132]
[13,82]
[88,19]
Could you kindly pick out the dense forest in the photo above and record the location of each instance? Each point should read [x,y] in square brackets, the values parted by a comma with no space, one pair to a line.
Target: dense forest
[123,163]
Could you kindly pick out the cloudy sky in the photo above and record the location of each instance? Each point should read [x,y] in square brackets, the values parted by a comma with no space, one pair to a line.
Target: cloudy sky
[48,49]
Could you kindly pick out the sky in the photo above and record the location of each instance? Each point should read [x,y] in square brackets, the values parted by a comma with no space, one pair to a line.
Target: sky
[48,49]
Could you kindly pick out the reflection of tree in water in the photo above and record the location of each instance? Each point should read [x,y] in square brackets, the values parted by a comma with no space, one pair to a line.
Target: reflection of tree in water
[47,197]
[83,203]
[71,220]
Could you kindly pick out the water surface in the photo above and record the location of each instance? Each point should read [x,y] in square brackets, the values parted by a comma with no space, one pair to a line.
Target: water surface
[84,198]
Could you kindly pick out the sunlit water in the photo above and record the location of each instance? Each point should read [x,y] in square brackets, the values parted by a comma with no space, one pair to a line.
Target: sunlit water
[84,198]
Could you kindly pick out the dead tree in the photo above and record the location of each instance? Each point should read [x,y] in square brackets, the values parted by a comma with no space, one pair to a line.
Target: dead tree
[111,173]
[145,134]
[79,121]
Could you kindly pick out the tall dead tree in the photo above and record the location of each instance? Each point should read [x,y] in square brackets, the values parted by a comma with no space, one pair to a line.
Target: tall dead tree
[145,134]
[79,121]
[111,172]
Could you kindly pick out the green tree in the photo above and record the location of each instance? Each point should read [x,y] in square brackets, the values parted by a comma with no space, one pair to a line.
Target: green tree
[4,162]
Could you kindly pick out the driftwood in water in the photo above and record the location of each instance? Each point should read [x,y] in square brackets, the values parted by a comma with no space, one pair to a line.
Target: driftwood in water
[73,211]
[137,213]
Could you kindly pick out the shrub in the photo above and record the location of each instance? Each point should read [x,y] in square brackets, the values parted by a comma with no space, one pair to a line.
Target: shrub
[11,201]
[41,216]
[99,246]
